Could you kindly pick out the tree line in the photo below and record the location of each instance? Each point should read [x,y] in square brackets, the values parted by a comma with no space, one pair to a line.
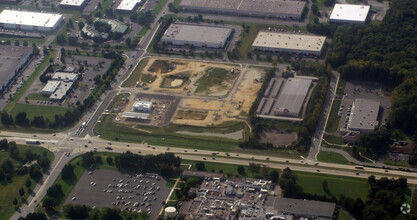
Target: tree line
[383,52]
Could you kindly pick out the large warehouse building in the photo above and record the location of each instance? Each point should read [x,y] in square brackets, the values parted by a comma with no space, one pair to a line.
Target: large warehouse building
[284,98]
[12,60]
[292,43]
[353,14]
[196,35]
[128,5]
[29,21]
[364,116]
[291,99]
[72,4]
[285,9]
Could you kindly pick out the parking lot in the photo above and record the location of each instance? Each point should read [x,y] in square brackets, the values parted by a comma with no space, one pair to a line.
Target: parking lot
[365,90]
[106,188]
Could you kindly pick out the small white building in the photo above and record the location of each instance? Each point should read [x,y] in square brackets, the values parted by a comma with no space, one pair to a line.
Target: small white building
[72,3]
[50,87]
[142,106]
[29,21]
[352,14]
[128,5]
[65,76]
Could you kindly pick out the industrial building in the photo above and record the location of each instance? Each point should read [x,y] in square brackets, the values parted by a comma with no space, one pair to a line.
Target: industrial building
[364,116]
[352,14]
[292,43]
[128,5]
[72,4]
[196,35]
[65,76]
[29,21]
[284,9]
[50,87]
[247,199]
[291,99]
[284,98]
[12,60]
[307,209]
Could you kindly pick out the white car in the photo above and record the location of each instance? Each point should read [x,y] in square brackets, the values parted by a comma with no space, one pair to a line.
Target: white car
[73,198]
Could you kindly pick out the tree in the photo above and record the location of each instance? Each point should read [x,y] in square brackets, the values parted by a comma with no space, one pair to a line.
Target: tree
[25,43]
[17,43]
[35,172]
[274,176]
[15,202]
[200,166]
[55,191]
[13,151]
[254,168]
[28,183]
[21,119]
[4,144]
[241,170]
[34,216]
[6,119]
[87,159]
[109,160]
[325,187]
[21,191]
[67,172]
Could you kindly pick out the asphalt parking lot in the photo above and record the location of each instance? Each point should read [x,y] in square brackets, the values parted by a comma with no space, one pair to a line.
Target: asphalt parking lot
[365,90]
[106,188]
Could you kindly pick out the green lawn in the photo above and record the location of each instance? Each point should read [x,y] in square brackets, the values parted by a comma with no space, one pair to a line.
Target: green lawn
[331,157]
[116,101]
[10,191]
[147,78]
[167,136]
[341,87]
[39,110]
[159,7]
[334,139]
[333,121]
[338,185]
[134,76]
[342,215]
[37,97]
[396,163]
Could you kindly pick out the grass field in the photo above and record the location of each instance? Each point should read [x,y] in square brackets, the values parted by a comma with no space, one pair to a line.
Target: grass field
[167,136]
[37,97]
[341,87]
[396,163]
[342,215]
[333,121]
[338,185]
[39,110]
[147,78]
[334,139]
[213,77]
[331,157]
[308,182]
[10,191]
[134,76]
[159,7]
[192,114]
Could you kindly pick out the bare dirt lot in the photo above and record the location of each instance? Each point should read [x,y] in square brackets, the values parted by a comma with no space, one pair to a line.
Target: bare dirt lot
[181,76]
[278,139]
[99,195]
[235,106]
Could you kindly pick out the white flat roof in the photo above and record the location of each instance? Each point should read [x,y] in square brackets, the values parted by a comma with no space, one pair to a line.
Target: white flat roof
[72,2]
[38,19]
[51,86]
[289,41]
[348,12]
[128,5]
[63,76]
[61,91]
[136,115]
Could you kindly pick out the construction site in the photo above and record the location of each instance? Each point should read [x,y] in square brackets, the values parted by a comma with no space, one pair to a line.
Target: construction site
[209,93]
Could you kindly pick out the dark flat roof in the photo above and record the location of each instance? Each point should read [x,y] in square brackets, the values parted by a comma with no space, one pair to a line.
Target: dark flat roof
[300,207]
[10,58]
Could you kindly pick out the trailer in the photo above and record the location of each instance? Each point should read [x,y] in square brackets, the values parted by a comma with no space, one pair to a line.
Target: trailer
[32,141]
